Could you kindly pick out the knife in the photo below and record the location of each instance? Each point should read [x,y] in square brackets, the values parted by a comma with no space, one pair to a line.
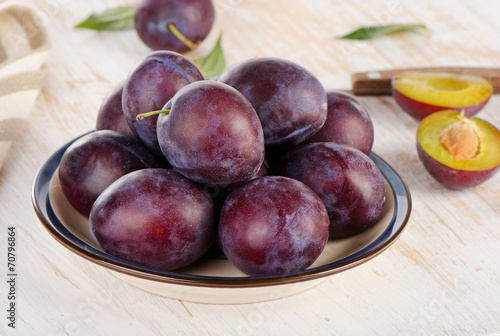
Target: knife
[378,82]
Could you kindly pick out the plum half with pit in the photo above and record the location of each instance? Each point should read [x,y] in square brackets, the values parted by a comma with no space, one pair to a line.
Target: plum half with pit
[347,123]
[458,152]
[211,134]
[273,225]
[93,162]
[165,24]
[348,182]
[154,217]
[149,86]
[289,100]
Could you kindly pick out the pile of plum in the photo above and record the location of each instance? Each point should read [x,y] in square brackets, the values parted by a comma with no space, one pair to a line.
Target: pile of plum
[261,161]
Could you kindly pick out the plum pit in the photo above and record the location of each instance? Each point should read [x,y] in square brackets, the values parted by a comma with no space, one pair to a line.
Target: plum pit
[460,140]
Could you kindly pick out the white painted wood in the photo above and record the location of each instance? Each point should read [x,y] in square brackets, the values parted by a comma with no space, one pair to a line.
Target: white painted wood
[442,277]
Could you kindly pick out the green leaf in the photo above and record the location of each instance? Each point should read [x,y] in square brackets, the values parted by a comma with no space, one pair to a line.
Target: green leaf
[118,18]
[214,63]
[369,32]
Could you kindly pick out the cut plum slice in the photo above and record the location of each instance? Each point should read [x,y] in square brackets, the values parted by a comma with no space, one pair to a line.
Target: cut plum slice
[420,93]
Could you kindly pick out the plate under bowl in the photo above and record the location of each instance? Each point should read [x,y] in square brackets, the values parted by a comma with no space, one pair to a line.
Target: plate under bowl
[213,279]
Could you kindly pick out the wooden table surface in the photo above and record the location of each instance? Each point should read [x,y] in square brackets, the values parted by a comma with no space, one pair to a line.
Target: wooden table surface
[441,277]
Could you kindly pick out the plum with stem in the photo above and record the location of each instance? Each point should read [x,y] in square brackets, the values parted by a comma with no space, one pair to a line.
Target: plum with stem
[211,134]
[149,86]
[173,24]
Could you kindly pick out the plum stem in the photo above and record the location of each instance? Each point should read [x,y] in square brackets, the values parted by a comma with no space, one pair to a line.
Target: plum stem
[149,114]
[266,164]
[171,26]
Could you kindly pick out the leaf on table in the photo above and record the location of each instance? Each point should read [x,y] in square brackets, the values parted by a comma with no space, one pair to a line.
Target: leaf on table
[369,32]
[214,63]
[118,18]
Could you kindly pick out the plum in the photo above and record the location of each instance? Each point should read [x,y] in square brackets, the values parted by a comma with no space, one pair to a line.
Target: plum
[154,217]
[96,160]
[110,115]
[347,181]
[212,134]
[273,225]
[290,100]
[420,93]
[224,191]
[458,152]
[347,123]
[158,21]
[220,192]
[149,86]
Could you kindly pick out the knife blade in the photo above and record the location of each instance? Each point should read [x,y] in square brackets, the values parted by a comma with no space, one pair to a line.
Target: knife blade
[378,82]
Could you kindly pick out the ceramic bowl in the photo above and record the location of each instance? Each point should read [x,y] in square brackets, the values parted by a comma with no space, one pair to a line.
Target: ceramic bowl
[213,279]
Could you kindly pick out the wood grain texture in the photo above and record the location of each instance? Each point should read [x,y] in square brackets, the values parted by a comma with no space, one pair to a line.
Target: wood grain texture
[442,277]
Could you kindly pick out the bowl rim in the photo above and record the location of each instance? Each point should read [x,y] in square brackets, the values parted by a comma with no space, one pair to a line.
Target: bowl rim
[42,206]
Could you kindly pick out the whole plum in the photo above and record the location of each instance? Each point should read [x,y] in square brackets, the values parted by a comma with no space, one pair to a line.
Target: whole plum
[192,18]
[273,225]
[290,100]
[154,217]
[347,123]
[110,115]
[347,181]
[212,134]
[149,86]
[96,160]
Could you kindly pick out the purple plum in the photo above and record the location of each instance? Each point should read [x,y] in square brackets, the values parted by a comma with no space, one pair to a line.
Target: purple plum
[348,182]
[273,225]
[154,217]
[96,160]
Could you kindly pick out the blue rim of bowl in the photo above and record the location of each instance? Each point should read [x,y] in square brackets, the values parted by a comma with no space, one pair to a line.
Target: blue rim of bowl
[43,208]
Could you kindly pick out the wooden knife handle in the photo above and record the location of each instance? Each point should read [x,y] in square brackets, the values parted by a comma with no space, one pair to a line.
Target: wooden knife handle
[378,82]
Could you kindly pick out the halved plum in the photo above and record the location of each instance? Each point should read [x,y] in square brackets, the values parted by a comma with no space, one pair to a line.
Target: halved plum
[422,93]
[458,152]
